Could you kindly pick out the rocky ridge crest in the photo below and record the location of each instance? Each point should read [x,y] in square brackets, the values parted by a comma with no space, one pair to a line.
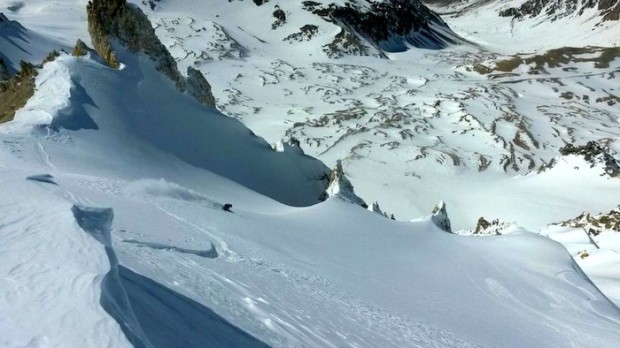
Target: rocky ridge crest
[117,20]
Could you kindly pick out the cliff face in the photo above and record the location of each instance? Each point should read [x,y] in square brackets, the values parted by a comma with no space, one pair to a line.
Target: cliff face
[115,19]
[390,25]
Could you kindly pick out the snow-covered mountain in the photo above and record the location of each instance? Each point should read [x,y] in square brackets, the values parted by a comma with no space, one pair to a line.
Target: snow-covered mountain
[165,181]
[467,118]
[605,10]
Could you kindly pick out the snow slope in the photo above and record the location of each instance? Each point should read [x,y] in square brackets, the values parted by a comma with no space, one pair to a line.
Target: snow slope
[175,124]
[51,273]
[558,24]
[423,125]
[122,154]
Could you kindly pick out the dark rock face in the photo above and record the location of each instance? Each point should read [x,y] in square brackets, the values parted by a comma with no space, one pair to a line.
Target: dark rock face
[80,49]
[372,27]
[199,87]
[280,17]
[392,24]
[307,32]
[608,9]
[16,90]
[594,154]
[346,43]
[115,19]
[484,227]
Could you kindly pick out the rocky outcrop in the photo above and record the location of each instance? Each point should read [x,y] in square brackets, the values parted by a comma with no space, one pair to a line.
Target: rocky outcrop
[280,18]
[80,49]
[440,217]
[594,154]
[493,228]
[375,208]
[340,186]
[110,20]
[16,90]
[346,43]
[305,33]
[595,224]
[199,87]
[608,9]
[115,19]
[391,25]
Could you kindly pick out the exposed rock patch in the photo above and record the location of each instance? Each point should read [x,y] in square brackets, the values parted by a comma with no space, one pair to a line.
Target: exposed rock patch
[601,57]
[199,87]
[595,224]
[494,227]
[280,18]
[80,49]
[305,33]
[608,9]
[348,44]
[593,153]
[16,90]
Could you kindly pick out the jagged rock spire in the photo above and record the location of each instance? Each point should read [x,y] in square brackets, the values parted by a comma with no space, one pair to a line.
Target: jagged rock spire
[440,217]
[375,208]
[340,186]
